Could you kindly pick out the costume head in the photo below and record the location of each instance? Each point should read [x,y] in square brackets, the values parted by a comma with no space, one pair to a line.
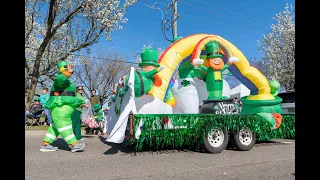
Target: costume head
[213,55]
[149,57]
[62,66]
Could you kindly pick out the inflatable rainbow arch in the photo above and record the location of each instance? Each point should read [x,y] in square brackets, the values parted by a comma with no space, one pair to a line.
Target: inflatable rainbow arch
[191,47]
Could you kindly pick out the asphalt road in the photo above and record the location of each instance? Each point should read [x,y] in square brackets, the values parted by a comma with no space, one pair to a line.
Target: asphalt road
[102,160]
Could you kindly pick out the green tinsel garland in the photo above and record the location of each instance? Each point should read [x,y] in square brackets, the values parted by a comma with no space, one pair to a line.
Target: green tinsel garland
[191,128]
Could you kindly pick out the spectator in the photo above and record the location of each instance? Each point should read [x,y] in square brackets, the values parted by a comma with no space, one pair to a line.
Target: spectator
[94,99]
[35,109]
[236,104]
[76,115]
[43,100]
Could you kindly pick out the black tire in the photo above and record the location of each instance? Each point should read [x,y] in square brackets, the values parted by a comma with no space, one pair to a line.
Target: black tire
[217,142]
[244,139]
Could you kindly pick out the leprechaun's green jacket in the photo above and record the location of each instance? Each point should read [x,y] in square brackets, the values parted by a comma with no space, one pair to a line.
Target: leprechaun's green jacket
[141,88]
[63,92]
[142,83]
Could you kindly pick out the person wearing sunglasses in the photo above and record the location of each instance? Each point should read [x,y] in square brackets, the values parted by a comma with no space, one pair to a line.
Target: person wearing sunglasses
[76,115]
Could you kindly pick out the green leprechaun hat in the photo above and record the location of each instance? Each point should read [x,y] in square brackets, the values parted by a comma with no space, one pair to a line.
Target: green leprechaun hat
[62,65]
[212,50]
[149,57]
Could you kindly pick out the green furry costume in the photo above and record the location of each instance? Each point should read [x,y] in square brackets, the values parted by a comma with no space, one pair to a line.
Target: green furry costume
[62,103]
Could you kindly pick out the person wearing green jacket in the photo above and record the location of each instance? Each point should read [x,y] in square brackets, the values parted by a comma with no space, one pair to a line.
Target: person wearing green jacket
[62,102]
[76,115]
[43,100]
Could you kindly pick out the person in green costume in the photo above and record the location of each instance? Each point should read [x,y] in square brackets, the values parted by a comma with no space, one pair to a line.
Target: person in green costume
[216,66]
[76,115]
[62,102]
[99,117]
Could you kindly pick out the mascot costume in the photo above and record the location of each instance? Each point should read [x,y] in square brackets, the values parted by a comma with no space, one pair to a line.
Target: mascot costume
[62,103]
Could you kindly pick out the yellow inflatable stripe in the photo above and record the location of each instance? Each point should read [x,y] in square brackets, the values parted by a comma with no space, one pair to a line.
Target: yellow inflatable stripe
[172,59]
[253,74]
[250,72]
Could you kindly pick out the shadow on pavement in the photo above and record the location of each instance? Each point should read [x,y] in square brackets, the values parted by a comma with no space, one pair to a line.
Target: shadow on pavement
[130,149]
[61,144]
[88,136]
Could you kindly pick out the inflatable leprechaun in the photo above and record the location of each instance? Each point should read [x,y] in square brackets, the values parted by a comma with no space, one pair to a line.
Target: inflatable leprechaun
[147,77]
[62,102]
[144,79]
[216,66]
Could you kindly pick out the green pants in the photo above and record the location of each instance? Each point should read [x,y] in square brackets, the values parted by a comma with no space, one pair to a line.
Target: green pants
[214,89]
[214,84]
[76,123]
[61,124]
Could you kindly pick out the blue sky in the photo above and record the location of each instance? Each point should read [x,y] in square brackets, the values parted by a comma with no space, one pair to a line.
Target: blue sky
[240,22]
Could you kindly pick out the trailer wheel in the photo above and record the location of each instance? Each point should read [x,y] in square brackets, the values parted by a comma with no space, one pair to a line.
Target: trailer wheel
[216,140]
[244,139]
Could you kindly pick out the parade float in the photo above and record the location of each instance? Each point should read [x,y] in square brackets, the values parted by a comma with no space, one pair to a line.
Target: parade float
[178,99]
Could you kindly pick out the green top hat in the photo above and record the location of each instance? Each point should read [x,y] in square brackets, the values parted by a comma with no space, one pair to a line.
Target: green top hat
[149,57]
[37,99]
[62,65]
[96,107]
[176,39]
[212,50]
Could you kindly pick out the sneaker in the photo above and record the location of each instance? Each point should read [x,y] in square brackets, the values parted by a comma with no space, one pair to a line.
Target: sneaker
[78,147]
[48,148]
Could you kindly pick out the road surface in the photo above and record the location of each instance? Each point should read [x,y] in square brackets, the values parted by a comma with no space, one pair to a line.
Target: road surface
[101,160]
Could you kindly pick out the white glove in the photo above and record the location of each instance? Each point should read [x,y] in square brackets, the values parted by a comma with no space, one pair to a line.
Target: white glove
[234,59]
[161,68]
[197,61]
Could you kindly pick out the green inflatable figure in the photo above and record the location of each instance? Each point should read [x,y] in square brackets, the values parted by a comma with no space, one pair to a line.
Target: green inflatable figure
[62,102]
[216,66]
[274,87]
[147,77]
[187,70]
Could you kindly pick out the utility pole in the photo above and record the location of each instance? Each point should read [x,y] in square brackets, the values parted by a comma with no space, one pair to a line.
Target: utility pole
[175,16]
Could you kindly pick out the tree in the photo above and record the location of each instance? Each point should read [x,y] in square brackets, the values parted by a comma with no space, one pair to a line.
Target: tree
[100,73]
[278,49]
[54,29]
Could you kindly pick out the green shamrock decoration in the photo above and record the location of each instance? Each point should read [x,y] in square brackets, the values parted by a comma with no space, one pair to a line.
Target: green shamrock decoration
[185,83]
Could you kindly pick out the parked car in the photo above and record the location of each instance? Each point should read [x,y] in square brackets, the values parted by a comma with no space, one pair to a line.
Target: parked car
[288,102]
